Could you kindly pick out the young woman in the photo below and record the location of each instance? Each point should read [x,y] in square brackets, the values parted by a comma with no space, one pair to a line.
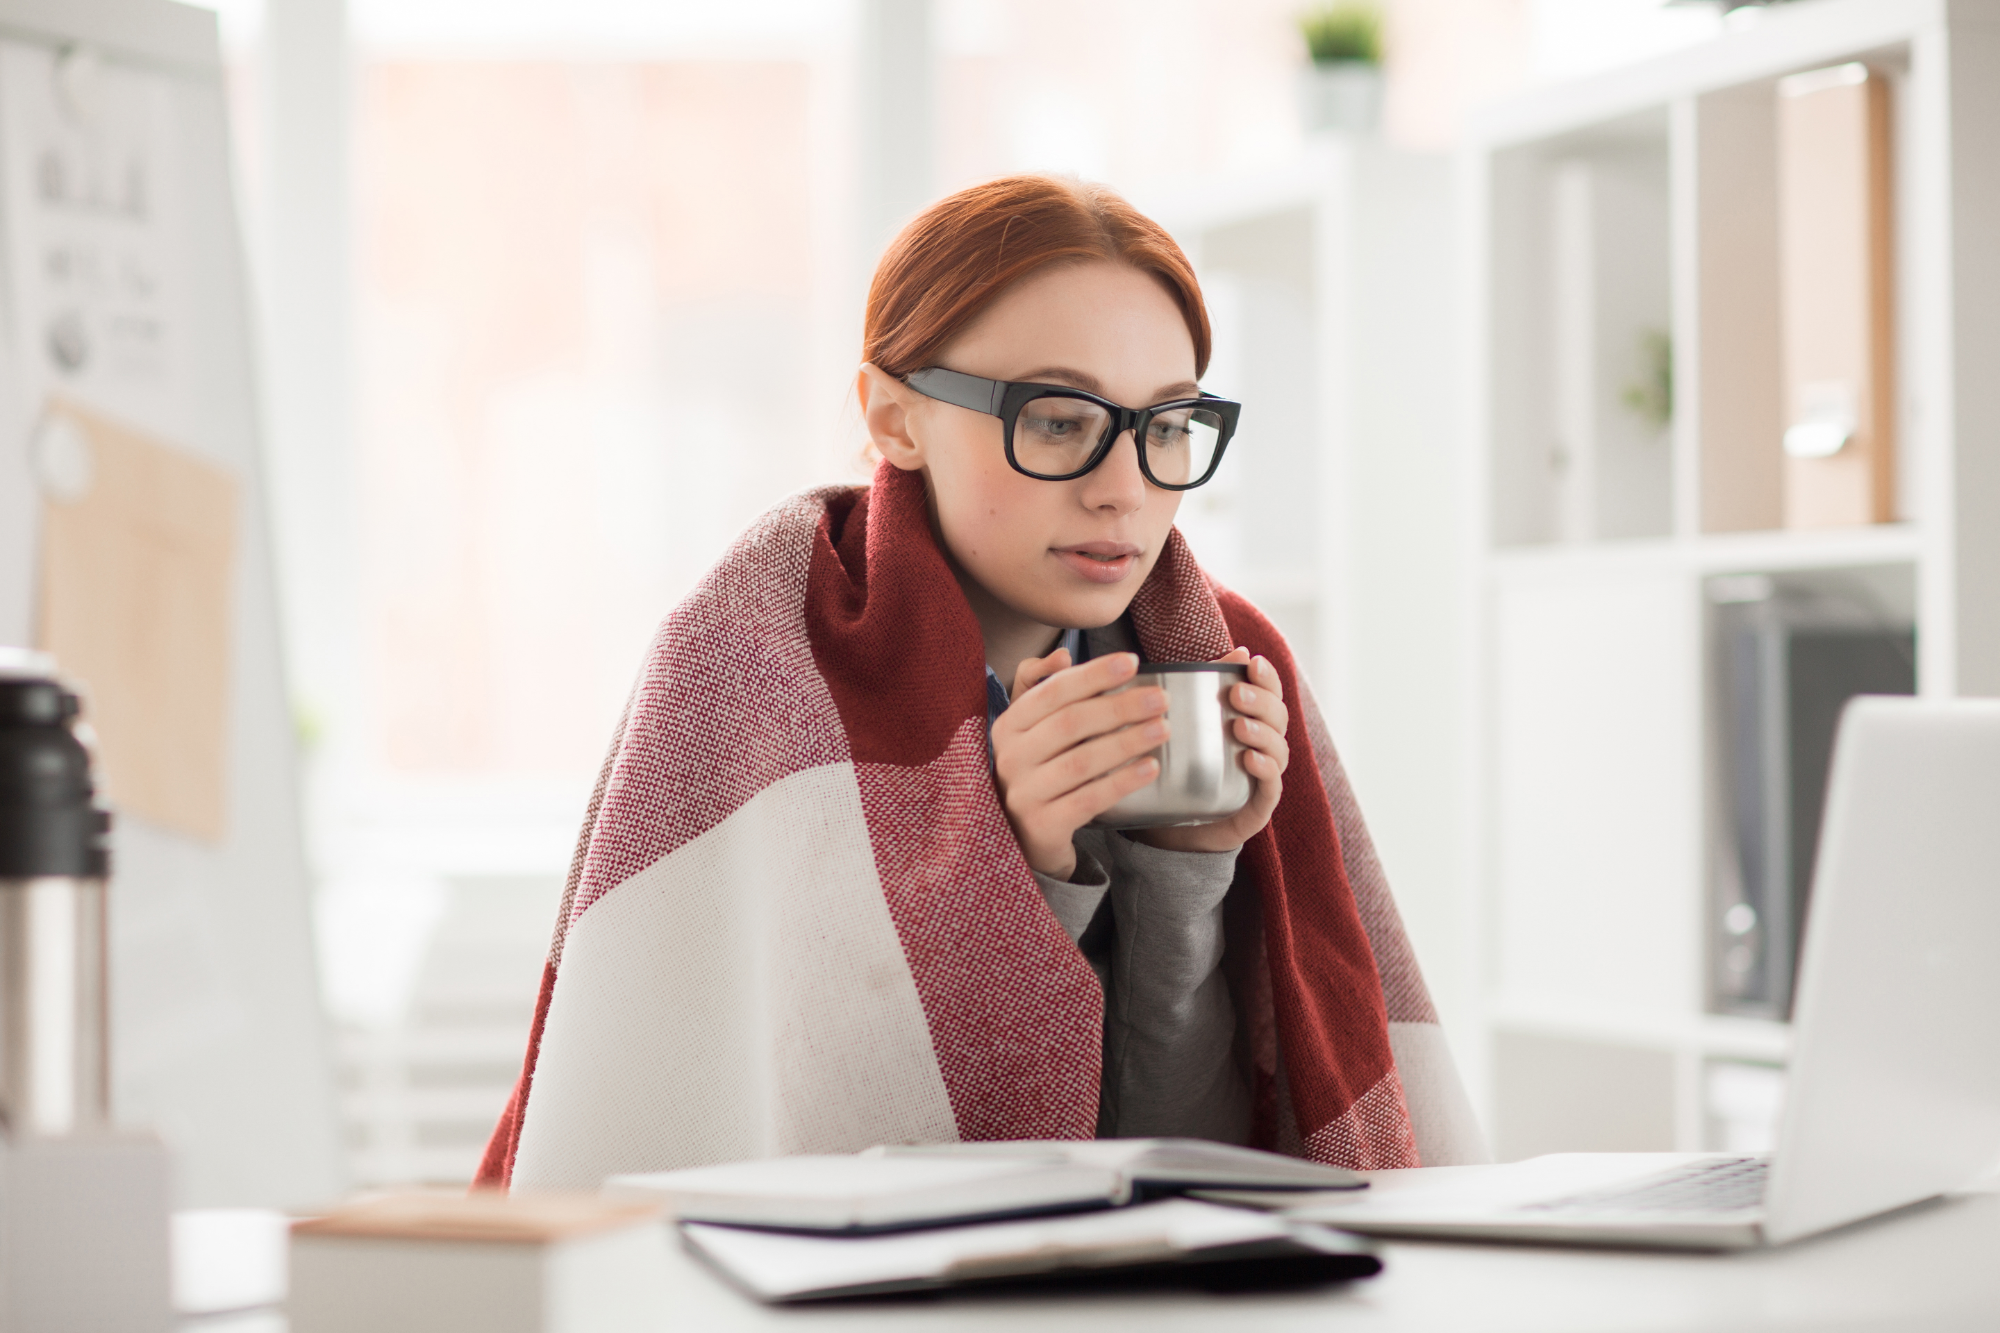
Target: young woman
[837,885]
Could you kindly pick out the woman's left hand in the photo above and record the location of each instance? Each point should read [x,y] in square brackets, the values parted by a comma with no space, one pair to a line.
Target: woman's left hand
[1261,729]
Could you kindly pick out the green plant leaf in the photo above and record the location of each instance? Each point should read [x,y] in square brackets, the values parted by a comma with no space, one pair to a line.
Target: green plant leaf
[1346,30]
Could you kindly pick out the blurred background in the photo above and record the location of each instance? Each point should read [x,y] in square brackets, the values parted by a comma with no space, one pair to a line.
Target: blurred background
[555,298]
[548,300]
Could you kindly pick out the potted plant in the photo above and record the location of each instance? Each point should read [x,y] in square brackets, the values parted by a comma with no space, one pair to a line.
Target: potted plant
[1343,89]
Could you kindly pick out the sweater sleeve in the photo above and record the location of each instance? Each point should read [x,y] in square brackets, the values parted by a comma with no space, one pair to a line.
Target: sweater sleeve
[1075,900]
[1170,1028]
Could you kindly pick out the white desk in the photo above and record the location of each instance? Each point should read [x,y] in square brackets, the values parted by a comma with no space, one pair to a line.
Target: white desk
[1935,1268]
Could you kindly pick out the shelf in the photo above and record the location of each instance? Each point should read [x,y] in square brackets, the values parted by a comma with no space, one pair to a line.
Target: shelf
[1610,728]
[1721,553]
[1745,1038]
[1581,448]
[1804,37]
[1710,1036]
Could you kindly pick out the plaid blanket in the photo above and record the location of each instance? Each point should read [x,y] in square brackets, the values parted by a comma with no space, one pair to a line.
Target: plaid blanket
[797,920]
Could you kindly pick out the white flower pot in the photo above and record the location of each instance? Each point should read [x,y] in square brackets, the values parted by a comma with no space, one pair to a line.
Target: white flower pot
[1344,95]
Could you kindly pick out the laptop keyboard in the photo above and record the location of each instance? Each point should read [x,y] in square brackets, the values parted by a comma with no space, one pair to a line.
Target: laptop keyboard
[1721,1186]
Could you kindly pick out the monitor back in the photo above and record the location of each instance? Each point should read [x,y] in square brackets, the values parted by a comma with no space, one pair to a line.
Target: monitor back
[1895,1085]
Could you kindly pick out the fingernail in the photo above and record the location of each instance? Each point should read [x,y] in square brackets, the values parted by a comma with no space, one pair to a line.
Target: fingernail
[1156,731]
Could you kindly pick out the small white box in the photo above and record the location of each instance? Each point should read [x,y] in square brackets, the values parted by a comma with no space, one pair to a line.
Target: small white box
[83,1234]
[421,1263]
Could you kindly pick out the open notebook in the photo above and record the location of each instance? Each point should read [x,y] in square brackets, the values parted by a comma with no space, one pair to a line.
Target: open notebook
[1175,1241]
[902,1187]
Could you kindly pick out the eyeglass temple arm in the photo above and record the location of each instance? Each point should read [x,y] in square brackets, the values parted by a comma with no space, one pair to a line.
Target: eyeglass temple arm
[960,390]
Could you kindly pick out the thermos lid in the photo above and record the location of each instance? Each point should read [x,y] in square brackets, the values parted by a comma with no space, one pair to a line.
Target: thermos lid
[35,703]
[49,822]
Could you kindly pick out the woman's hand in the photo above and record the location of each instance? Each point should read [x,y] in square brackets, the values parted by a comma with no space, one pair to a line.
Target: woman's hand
[1261,729]
[1063,751]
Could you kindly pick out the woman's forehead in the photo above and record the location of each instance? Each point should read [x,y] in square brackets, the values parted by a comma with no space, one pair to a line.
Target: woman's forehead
[1101,326]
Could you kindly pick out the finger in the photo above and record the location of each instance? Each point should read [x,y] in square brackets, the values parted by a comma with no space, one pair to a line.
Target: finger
[1037,669]
[1257,734]
[1087,719]
[1087,802]
[1267,777]
[1239,654]
[1066,687]
[1264,674]
[1029,674]
[1265,757]
[1261,704]
[1262,743]
[1082,764]
[1239,828]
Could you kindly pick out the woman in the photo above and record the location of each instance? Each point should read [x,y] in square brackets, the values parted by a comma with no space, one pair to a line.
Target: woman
[836,886]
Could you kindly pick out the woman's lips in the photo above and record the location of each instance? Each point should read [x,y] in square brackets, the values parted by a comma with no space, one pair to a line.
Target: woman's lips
[1100,562]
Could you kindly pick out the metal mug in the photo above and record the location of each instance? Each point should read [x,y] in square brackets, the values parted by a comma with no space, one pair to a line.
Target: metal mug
[1201,775]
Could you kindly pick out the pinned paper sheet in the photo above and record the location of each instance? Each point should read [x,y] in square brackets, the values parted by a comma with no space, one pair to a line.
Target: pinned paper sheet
[138,549]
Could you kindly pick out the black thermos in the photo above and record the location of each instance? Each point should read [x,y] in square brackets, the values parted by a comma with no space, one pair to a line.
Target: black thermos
[54,859]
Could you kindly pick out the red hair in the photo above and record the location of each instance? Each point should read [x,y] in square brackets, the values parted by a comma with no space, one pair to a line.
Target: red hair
[959,254]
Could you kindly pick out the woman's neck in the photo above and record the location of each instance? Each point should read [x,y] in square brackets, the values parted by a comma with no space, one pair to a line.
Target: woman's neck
[1011,638]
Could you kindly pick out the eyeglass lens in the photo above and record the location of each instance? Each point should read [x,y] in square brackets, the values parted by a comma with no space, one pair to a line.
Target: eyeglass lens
[1181,444]
[1055,437]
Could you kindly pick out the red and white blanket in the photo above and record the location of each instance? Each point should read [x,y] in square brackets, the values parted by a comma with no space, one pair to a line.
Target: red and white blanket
[798,920]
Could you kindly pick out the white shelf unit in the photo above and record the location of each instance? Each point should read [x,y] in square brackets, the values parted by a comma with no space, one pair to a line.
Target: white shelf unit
[1318,275]
[1334,285]
[1597,213]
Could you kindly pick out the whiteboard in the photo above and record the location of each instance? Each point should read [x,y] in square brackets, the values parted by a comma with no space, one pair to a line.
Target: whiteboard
[218,1039]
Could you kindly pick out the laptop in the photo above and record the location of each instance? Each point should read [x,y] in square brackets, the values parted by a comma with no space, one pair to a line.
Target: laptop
[1894,1090]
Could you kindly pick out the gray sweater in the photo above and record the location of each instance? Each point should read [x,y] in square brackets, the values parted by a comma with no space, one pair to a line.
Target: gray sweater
[1150,924]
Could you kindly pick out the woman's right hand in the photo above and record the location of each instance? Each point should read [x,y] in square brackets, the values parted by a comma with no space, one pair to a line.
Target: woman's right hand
[1064,750]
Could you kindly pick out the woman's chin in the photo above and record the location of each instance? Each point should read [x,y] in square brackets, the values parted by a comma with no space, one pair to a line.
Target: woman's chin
[1088,607]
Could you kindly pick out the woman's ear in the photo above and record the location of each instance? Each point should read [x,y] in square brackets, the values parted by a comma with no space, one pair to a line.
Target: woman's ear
[885,413]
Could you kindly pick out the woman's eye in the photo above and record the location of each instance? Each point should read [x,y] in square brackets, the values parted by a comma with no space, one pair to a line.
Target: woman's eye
[1168,434]
[1054,427]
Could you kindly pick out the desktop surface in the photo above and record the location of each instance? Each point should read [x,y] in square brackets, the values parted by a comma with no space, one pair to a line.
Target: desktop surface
[1934,1267]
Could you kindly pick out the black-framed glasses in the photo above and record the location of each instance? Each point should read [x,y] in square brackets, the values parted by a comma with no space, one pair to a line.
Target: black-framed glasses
[1056,433]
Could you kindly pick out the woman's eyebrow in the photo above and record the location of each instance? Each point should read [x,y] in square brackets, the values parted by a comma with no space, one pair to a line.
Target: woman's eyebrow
[1076,379]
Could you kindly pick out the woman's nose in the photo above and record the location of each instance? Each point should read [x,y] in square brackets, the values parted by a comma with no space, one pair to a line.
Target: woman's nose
[1117,483]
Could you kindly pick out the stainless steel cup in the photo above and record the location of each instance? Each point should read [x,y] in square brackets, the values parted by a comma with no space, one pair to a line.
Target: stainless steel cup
[1201,765]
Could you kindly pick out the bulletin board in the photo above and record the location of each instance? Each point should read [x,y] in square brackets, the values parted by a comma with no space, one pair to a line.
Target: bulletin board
[134,546]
